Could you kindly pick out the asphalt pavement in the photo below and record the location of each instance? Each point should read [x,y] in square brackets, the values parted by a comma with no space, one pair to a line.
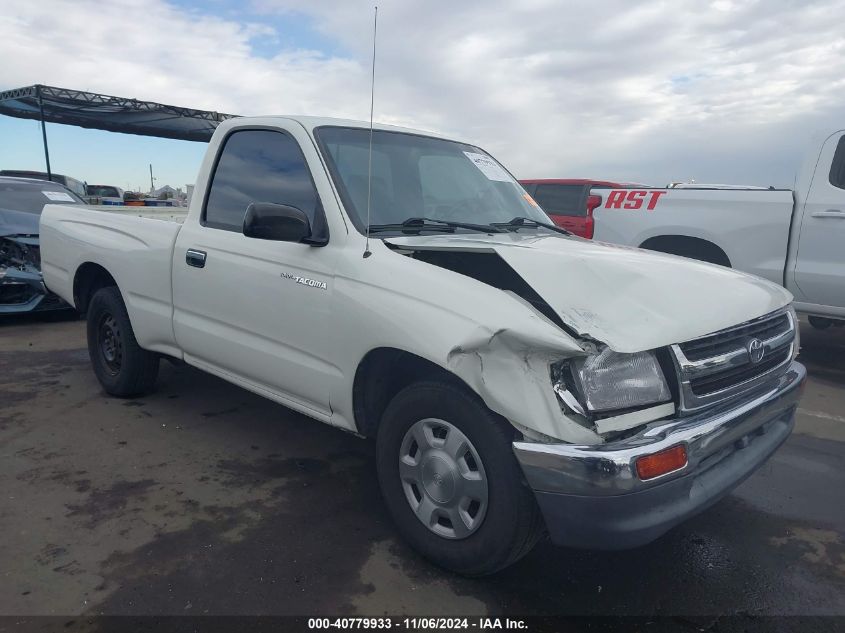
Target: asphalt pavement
[202,498]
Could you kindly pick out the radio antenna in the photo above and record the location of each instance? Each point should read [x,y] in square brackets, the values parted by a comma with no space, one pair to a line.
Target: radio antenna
[367,252]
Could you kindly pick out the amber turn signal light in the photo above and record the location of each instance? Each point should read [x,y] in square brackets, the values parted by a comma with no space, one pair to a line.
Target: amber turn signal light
[666,461]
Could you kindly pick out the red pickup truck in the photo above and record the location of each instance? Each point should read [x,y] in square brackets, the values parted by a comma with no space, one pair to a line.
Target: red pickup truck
[568,201]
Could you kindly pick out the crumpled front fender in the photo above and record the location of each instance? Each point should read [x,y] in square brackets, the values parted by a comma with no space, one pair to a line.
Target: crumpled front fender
[510,371]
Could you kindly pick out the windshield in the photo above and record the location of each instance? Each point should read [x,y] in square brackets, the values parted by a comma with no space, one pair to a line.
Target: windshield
[421,177]
[31,197]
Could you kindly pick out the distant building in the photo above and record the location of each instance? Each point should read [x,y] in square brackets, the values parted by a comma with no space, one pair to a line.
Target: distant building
[164,192]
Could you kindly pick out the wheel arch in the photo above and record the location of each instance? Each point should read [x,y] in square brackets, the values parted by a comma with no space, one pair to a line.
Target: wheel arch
[688,246]
[88,279]
[381,374]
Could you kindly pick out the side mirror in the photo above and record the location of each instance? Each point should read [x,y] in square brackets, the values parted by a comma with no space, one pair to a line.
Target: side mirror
[279,222]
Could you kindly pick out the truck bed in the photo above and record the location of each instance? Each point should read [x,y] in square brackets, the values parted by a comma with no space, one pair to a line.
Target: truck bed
[751,226]
[135,246]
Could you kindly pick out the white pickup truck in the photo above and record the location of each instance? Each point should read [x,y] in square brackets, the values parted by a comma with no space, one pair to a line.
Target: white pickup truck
[795,238]
[516,379]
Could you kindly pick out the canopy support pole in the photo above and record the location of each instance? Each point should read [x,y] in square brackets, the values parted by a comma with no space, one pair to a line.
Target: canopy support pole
[44,134]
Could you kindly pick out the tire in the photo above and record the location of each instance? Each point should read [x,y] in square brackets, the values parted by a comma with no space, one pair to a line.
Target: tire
[507,524]
[820,323]
[123,368]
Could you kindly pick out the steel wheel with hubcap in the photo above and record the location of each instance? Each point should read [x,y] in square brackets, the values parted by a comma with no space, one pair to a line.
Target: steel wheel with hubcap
[443,478]
[450,480]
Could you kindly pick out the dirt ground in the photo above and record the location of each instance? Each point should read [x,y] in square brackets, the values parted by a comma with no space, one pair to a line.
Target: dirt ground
[203,498]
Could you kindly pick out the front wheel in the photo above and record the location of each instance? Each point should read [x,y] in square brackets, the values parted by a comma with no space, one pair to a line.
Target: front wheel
[451,482]
[123,368]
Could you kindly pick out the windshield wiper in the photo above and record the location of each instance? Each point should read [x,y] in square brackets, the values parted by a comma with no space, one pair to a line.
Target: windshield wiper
[523,222]
[432,224]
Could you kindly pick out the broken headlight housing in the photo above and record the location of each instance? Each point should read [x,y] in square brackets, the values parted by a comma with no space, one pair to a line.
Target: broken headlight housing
[610,381]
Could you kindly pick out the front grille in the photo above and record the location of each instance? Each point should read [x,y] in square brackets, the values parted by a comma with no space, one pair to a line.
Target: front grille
[718,366]
[723,342]
[729,377]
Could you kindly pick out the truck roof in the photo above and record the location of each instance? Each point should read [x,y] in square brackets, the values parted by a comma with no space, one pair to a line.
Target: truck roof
[311,122]
[38,183]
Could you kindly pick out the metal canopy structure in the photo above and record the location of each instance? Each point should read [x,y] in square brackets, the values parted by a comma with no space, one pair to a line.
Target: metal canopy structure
[106,112]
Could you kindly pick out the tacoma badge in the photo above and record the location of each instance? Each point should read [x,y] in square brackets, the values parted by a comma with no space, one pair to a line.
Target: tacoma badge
[313,283]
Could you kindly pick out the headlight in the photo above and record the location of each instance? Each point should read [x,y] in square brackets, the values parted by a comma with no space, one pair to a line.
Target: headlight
[609,381]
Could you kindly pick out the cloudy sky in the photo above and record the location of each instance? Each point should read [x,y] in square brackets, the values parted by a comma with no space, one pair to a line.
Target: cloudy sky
[722,91]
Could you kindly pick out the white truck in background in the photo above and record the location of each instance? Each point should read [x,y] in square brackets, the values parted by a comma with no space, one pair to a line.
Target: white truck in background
[795,238]
[515,378]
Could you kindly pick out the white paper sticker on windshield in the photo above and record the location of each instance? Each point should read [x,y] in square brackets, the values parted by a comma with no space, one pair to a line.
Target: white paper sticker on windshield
[58,196]
[489,167]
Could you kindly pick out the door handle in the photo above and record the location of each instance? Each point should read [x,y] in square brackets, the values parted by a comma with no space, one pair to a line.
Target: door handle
[195,258]
[829,213]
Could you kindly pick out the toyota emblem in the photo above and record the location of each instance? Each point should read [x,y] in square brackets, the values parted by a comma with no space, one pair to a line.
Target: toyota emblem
[755,350]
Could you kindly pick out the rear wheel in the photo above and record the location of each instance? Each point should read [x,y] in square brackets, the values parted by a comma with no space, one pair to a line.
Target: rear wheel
[123,368]
[451,482]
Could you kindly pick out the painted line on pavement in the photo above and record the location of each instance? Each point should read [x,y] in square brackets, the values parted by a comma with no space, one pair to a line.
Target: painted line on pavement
[823,416]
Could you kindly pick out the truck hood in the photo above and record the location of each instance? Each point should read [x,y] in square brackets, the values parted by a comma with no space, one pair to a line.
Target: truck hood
[628,298]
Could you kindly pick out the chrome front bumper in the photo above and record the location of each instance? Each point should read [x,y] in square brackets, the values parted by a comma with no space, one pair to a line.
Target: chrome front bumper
[591,496]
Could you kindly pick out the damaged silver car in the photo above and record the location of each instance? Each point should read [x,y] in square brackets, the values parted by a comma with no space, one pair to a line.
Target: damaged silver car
[21,202]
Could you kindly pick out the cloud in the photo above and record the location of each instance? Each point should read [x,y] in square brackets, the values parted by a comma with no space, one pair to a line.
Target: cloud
[650,91]
[151,50]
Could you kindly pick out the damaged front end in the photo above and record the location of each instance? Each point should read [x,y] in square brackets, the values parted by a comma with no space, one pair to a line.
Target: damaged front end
[551,383]
[621,446]
[21,284]
[554,389]
[637,393]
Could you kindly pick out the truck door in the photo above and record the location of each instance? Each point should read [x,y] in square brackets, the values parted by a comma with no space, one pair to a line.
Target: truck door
[820,259]
[249,309]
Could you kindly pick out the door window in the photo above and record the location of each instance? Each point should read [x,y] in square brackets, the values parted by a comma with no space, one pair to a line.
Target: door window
[259,166]
[561,199]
